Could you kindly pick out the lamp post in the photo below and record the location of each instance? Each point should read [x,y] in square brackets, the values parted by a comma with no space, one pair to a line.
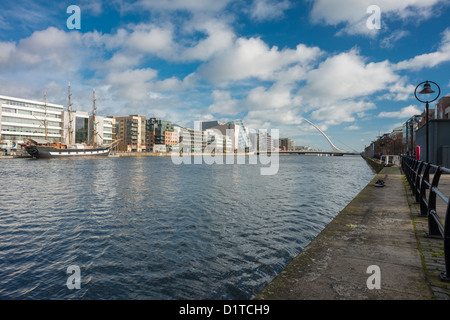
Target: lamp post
[427,90]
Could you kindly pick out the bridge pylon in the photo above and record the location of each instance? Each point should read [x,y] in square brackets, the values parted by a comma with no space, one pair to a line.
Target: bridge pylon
[326,137]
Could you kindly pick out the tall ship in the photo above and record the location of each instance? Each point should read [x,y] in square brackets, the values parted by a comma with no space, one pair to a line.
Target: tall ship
[38,148]
[45,149]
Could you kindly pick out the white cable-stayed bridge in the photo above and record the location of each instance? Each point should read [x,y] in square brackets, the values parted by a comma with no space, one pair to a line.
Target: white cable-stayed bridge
[335,150]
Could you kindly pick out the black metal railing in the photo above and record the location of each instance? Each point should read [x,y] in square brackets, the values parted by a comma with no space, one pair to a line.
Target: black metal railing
[418,175]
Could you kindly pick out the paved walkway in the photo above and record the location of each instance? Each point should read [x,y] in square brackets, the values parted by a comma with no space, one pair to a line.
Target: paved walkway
[378,228]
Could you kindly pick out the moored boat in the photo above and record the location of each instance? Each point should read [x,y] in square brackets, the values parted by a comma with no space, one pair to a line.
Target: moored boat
[38,148]
[45,149]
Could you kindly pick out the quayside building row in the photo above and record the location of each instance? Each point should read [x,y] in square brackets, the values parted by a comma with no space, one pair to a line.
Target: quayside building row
[410,138]
[22,118]
[40,120]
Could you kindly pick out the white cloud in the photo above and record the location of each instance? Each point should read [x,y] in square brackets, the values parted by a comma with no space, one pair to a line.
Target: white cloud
[196,7]
[260,118]
[347,76]
[268,9]
[131,84]
[165,41]
[51,46]
[389,41]
[353,127]
[340,111]
[108,41]
[152,39]
[26,16]
[429,60]
[277,97]
[252,58]
[129,76]
[224,104]
[46,56]
[404,113]
[219,37]
[94,7]
[172,84]
[121,60]
[399,91]
[352,14]
[6,51]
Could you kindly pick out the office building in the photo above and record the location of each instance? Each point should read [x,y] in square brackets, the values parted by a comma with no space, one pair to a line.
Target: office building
[235,130]
[262,141]
[242,134]
[217,142]
[287,144]
[190,141]
[170,139]
[22,118]
[204,125]
[131,130]
[443,108]
[156,129]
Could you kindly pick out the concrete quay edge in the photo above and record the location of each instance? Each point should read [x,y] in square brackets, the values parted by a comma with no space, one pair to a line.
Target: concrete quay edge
[375,229]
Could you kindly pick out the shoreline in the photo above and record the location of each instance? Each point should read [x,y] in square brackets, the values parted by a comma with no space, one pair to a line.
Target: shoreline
[168,154]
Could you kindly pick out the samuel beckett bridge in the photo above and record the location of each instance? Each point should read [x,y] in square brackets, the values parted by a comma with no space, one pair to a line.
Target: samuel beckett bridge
[336,151]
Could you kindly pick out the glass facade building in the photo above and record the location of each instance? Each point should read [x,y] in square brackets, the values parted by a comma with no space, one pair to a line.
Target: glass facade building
[21,119]
[81,130]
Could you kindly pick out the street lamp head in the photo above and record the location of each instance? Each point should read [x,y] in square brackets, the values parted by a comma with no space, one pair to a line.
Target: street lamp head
[426,89]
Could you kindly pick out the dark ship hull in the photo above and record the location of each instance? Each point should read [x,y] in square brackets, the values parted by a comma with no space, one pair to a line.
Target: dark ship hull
[41,152]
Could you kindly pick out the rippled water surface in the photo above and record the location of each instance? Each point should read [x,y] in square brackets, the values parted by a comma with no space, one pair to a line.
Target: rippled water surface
[145,228]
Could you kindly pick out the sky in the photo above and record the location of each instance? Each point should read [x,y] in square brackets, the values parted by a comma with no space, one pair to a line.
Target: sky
[348,66]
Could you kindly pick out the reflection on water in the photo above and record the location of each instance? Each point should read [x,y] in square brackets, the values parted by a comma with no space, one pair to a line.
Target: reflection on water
[144,228]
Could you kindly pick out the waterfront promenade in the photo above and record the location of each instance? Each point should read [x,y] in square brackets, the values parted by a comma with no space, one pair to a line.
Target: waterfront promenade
[380,227]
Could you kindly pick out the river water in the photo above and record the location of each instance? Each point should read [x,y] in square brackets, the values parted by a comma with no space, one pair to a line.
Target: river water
[146,228]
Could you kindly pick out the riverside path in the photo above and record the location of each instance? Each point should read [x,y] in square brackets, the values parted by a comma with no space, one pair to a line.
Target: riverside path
[378,229]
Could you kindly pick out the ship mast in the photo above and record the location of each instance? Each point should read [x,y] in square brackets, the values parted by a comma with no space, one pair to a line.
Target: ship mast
[70,115]
[45,114]
[94,113]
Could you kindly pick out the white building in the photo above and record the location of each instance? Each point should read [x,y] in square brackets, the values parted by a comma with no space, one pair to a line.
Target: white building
[21,118]
[108,125]
[190,141]
[217,141]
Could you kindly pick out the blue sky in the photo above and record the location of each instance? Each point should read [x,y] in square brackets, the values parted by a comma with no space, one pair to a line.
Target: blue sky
[270,63]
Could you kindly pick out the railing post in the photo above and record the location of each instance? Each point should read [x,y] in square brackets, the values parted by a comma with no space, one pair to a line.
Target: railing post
[433,227]
[417,182]
[423,189]
[406,169]
[411,168]
[445,276]
[403,165]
